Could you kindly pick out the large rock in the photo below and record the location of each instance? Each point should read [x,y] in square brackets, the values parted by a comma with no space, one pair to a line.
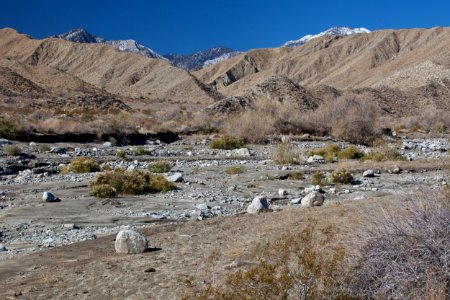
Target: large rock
[4,142]
[130,242]
[57,150]
[313,199]
[259,204]
[175,177]
[242,152]
[369,173]
[49,197]
[316,159]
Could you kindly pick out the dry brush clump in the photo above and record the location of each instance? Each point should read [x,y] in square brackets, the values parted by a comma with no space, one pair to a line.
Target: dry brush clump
[405,254]
[227,142]
[82,165]
[302,265]
[286,155]
[136,182]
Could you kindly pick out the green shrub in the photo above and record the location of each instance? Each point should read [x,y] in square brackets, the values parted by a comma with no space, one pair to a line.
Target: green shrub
[286,155]
[227,143]
[135,182]
[12,150]
[121,154]
[103,191]
[318,178]
[83,165]
[235,170]
[328,152]
[385,153]
[297,175]
[341,176]
[9,129]
[161,166]
[351,152]
[139,150]
[42,148]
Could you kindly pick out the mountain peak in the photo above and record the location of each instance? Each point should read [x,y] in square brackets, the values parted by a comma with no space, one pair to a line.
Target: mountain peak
[79,35]
[333,31]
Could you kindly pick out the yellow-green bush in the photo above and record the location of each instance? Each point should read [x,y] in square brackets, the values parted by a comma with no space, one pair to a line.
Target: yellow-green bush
[135,182]
[318,178]
[341,176]
[227,143]
[12,150]
[235,170]
[83,165]
[296,175]
[161,166]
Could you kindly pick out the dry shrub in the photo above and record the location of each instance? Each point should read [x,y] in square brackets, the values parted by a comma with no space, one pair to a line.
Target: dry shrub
[341,176]
[231,170]
[251,126]
[430,119]
[302,265]
[286,155]
[9,129]
[135,182]
[406,252]
[351,117]
[12,150]
[83,165]
[227,143]
[161,166]
[319,178]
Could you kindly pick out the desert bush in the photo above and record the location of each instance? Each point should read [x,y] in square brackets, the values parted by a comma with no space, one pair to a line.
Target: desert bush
[286,155]
[431,120]
[227,143]
[42,148]
[301,265]
[139,150]
[9,129]
[341,176]
[319,178]
[296,175]
[121,154]
[135,182]
[83,165]
[235,170]
[103,191]
[328,152]
[405,252]
[161,166]
[384,153]
[351,152]
[251,127]
[12,150]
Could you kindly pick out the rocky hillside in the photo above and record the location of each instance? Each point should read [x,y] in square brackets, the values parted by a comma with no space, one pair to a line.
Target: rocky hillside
[198,59]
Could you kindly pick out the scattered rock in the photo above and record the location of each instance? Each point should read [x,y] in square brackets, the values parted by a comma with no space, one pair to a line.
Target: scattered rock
[4,142]
[3,248]
[296,201]
[316,159]
[175,177]
[49,197]
[282,192]
[32,144]
[130,242]
[202,206]
[243,152]
[150,270]
[369,173]
[313,199]
[395,170]
[107,144]
[259,204]
[57,150]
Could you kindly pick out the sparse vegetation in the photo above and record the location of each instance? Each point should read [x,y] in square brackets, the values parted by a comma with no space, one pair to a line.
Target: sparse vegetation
[161,166]
[139,150]
[235,170]
[9,129]
[135,182]
[341,177]
[121,154]
[83,165]
[42,148]
[297,175]
[330,152]
[286,155]
[319,178]
[12,150]
[351,152]
[384,153]
[295,265]
[227,143]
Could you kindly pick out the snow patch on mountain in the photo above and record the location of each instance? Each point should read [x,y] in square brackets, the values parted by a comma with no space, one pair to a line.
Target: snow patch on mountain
[82,36]
[223,57]
[334,31]
[196,60]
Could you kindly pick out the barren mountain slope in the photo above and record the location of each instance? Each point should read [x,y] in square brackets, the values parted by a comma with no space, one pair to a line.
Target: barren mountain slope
[105,67]
[361,60]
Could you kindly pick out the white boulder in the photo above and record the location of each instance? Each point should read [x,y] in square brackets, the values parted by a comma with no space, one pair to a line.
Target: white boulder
[130,242]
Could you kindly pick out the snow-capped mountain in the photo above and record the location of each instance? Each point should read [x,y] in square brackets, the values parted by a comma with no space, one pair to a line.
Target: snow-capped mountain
[82,36]
[196,60]
[334,31]
[223,57]
[79,35]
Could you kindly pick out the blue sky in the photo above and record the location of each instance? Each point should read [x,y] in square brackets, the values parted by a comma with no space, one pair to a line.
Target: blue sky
[188,26]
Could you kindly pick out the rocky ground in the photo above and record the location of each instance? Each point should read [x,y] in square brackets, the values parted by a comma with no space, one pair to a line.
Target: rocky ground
[204,191]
